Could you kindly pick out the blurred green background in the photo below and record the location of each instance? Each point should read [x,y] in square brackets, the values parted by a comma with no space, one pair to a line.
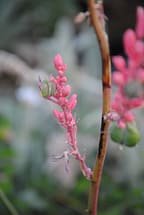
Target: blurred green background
[32,32]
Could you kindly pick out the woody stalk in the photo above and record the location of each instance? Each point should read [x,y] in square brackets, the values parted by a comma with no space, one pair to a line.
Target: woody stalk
[97,21]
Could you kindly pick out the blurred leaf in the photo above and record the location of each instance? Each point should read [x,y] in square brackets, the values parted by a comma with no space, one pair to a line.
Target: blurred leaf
[4,122]
[5,128]
[6,153]
[5,184]
[32,199]
[30,18]
[8,170]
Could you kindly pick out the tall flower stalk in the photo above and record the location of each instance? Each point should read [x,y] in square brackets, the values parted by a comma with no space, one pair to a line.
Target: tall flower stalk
[97,22]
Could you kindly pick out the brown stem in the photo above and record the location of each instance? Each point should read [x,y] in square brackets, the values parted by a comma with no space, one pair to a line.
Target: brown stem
[106,84]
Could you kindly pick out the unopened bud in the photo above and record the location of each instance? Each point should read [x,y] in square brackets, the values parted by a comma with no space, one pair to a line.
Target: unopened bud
[132,135]
[129,136]
[116,133]
[47,88]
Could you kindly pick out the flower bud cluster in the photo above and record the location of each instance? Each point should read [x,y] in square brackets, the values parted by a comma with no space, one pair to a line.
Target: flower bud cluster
[129,76]
[64,116]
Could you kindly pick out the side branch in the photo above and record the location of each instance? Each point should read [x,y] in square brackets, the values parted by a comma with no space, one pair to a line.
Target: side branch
[106,85]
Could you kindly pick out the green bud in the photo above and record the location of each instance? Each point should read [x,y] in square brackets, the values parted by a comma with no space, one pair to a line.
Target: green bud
[116,133]
[129,136]
[132,135]
[47,88]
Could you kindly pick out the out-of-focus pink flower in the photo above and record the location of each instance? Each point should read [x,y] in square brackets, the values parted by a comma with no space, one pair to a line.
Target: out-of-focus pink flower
[129,40]
[140,23]
[119,63]
[127,74]
[118,78]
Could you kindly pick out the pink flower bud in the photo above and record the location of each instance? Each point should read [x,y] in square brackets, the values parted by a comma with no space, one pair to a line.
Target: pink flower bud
[63,79]
[121,124]
[61,101]
[53,80]
[118,78]
[140,75]
[139,47]
[128,116]
[60,72]
[114,105]
[119,63]
[72,102]
[137,102]
[129,40]
[56,114]
[69,117]
[58,63]
[61,118]
[66,90]
[140,23]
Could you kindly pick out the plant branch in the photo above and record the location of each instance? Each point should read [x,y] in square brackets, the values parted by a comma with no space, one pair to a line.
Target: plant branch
[106,85]
[7,203]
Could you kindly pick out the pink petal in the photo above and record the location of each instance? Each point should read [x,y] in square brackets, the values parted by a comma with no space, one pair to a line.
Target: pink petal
[58,63]
[129,39]
[118,78]
[140,23]
[119,63]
